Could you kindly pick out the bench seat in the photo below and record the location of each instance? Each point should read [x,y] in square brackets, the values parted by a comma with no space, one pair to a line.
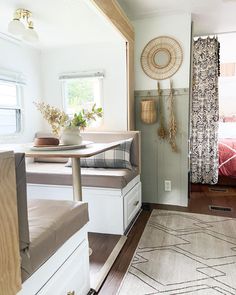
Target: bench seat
[51,223]
[117,190]
[58,174]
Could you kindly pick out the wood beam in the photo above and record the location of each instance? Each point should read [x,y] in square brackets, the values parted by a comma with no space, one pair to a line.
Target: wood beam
[112,10]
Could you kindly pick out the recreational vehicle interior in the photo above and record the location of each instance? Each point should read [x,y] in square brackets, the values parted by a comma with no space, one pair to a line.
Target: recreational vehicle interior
[117,147]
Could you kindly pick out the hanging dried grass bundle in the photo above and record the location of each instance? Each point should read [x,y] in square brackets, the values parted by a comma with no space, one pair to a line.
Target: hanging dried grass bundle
[161,131]
[172,122]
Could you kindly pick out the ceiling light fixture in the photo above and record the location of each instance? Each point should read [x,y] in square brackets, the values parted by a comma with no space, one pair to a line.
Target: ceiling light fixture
[17,27]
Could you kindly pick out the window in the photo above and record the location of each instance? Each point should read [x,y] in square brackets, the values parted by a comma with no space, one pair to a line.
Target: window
[10,110]
[81,92]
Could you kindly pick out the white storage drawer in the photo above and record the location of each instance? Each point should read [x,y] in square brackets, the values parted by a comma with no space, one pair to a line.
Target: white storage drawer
[132,204]
[71,277]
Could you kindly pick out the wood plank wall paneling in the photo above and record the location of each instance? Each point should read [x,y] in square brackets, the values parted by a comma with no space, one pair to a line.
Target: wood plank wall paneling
[113,12]
[160,163]
[130,84]
[10,276]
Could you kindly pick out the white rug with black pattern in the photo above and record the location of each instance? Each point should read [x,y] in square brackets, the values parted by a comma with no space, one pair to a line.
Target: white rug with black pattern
[184,253]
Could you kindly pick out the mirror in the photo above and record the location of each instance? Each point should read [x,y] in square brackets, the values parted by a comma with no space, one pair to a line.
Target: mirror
[162,58]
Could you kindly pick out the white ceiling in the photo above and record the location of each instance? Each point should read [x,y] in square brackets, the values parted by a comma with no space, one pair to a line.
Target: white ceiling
[210,16]
[61,22]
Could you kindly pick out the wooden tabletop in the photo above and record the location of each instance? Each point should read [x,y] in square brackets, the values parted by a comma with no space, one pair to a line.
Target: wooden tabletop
[88,151]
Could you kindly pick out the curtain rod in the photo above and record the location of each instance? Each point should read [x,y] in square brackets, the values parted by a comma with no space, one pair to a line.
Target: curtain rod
[214,34]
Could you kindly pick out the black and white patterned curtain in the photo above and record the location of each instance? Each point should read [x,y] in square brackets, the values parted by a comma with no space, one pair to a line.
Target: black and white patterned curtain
[205,111]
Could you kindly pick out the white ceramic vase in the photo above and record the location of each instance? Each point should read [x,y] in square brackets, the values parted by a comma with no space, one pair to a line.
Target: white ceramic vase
[71,136]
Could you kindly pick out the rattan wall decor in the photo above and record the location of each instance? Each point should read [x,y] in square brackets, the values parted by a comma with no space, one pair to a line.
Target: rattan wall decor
[161,58]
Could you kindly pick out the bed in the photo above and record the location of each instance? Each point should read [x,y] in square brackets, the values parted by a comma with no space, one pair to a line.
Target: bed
[227,161]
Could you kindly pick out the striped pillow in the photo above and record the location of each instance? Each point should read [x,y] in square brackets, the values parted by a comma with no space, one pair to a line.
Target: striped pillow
[119,157]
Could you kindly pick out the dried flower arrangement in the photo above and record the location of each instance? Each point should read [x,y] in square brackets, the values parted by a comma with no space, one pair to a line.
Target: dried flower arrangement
[58,119]
[161,131]
[53,115]
[172,122]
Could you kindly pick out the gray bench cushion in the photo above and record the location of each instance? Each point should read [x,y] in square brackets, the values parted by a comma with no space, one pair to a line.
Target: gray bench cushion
[51,223]
[24,239]
[58,174]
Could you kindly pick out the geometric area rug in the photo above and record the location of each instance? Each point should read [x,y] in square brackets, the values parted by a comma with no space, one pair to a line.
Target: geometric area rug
[184,253]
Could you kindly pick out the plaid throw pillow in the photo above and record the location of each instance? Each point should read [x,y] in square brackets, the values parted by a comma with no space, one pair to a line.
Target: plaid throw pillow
[119,157]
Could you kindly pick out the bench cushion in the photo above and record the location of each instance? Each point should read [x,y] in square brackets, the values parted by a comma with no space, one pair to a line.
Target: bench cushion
[51,223]
[58,174]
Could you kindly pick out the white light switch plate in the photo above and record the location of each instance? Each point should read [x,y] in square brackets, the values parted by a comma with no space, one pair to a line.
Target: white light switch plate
[167,186]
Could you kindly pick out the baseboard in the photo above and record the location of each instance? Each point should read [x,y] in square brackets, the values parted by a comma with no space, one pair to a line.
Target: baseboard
[132,222]
[151,206]
[146,207]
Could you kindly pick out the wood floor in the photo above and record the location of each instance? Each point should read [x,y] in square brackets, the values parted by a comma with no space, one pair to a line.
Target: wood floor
[102,245]
[200,200]
[220,197]
[118,270]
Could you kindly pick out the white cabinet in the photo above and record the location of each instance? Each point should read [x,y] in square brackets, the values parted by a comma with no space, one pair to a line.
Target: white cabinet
[132,204]
[110,210]
[71,277]
[67,270]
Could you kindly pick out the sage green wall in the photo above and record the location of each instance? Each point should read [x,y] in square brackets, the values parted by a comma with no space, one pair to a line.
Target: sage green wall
[159,163]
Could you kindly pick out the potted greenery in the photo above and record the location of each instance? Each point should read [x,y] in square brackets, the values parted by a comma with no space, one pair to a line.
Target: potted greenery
[68,129]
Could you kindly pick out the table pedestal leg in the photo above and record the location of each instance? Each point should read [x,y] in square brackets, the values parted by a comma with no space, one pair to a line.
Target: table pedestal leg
[76,177]
[77,184]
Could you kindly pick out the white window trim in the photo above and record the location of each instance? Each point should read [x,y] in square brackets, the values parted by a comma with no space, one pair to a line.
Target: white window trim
[80,75]
[18,80]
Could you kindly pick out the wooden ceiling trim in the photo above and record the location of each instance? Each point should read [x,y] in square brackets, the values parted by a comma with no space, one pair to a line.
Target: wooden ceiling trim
[118,18]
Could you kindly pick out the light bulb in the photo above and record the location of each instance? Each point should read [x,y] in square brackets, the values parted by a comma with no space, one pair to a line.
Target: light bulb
[16,27]
[30,35]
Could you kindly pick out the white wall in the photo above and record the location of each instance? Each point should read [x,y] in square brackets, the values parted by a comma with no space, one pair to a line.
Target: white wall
[176,26]
[26,60]
[227,47]
[227,85]
[109,57]
[159,163]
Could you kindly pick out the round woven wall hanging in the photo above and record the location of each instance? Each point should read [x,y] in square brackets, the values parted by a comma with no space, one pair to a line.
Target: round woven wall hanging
[161,58]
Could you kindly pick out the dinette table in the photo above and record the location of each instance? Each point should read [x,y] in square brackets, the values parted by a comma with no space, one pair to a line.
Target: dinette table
[88,150]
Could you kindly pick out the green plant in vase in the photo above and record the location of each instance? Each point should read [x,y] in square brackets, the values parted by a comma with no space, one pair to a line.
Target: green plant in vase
[84,118]
[71,132]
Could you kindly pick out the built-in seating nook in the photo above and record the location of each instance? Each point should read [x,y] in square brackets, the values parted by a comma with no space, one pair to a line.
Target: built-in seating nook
[53,227]
[117,147]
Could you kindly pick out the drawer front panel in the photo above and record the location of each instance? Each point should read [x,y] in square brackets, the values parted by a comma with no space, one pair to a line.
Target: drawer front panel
[72,277]
[132,204]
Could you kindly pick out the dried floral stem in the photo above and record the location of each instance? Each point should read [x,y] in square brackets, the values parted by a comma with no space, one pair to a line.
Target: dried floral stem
[172,123]
[53,115]
[161,131]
